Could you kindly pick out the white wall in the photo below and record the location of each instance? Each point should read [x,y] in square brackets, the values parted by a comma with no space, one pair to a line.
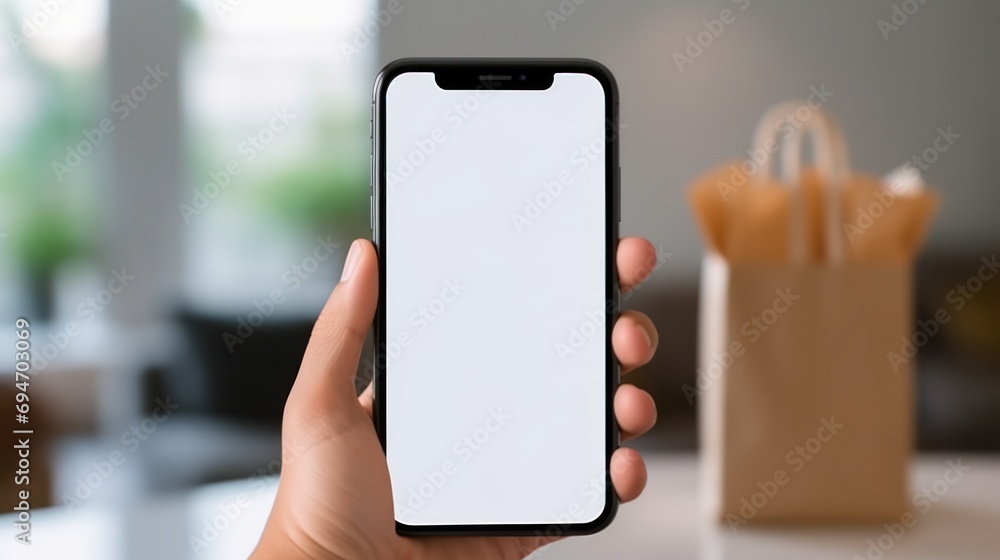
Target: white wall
[938,69]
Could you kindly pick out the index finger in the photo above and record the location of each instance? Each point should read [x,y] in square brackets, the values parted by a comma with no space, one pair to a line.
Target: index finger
[637,259]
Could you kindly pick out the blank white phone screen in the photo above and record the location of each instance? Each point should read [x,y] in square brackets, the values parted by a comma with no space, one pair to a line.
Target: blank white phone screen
[495,245]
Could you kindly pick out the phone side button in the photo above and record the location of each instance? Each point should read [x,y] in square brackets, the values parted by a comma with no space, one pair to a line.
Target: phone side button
[618,201]
[371,212]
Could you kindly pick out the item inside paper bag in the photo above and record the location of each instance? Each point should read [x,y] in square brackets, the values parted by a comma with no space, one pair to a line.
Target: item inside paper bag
[820,213]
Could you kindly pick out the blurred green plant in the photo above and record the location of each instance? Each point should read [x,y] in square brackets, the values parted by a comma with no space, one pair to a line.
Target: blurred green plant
[49,239]
[325,190]
[52,222]
[322,190]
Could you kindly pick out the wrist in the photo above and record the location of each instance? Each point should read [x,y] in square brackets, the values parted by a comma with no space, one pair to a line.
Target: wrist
[283,538]
[276,543]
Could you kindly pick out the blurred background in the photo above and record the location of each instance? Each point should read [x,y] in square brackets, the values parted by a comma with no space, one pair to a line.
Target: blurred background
[179,181]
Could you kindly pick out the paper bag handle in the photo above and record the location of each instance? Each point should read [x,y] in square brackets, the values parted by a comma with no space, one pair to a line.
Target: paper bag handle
[830,153]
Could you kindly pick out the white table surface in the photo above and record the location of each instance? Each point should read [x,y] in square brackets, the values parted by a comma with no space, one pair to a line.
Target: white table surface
[666,522]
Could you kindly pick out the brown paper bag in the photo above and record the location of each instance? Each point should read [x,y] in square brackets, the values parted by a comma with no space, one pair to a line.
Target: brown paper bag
[803,417]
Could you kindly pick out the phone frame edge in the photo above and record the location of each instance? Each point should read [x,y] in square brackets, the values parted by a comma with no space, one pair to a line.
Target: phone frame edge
[612,291]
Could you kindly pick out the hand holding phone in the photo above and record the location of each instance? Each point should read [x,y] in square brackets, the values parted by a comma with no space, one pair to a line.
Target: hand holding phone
[549,414]
[334,497]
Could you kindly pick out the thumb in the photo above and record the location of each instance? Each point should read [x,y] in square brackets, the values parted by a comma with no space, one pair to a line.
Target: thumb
[325,382]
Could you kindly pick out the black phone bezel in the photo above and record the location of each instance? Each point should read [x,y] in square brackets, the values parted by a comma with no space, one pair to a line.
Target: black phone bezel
[454,73]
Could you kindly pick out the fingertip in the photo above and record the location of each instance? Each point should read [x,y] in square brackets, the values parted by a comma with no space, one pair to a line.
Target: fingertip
[637,259]
[635,411]
[628,473]
[354,254]
[358,286]
[634,339]
[362,258]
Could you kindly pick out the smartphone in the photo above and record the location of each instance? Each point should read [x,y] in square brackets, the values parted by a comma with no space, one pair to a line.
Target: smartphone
[495,210]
